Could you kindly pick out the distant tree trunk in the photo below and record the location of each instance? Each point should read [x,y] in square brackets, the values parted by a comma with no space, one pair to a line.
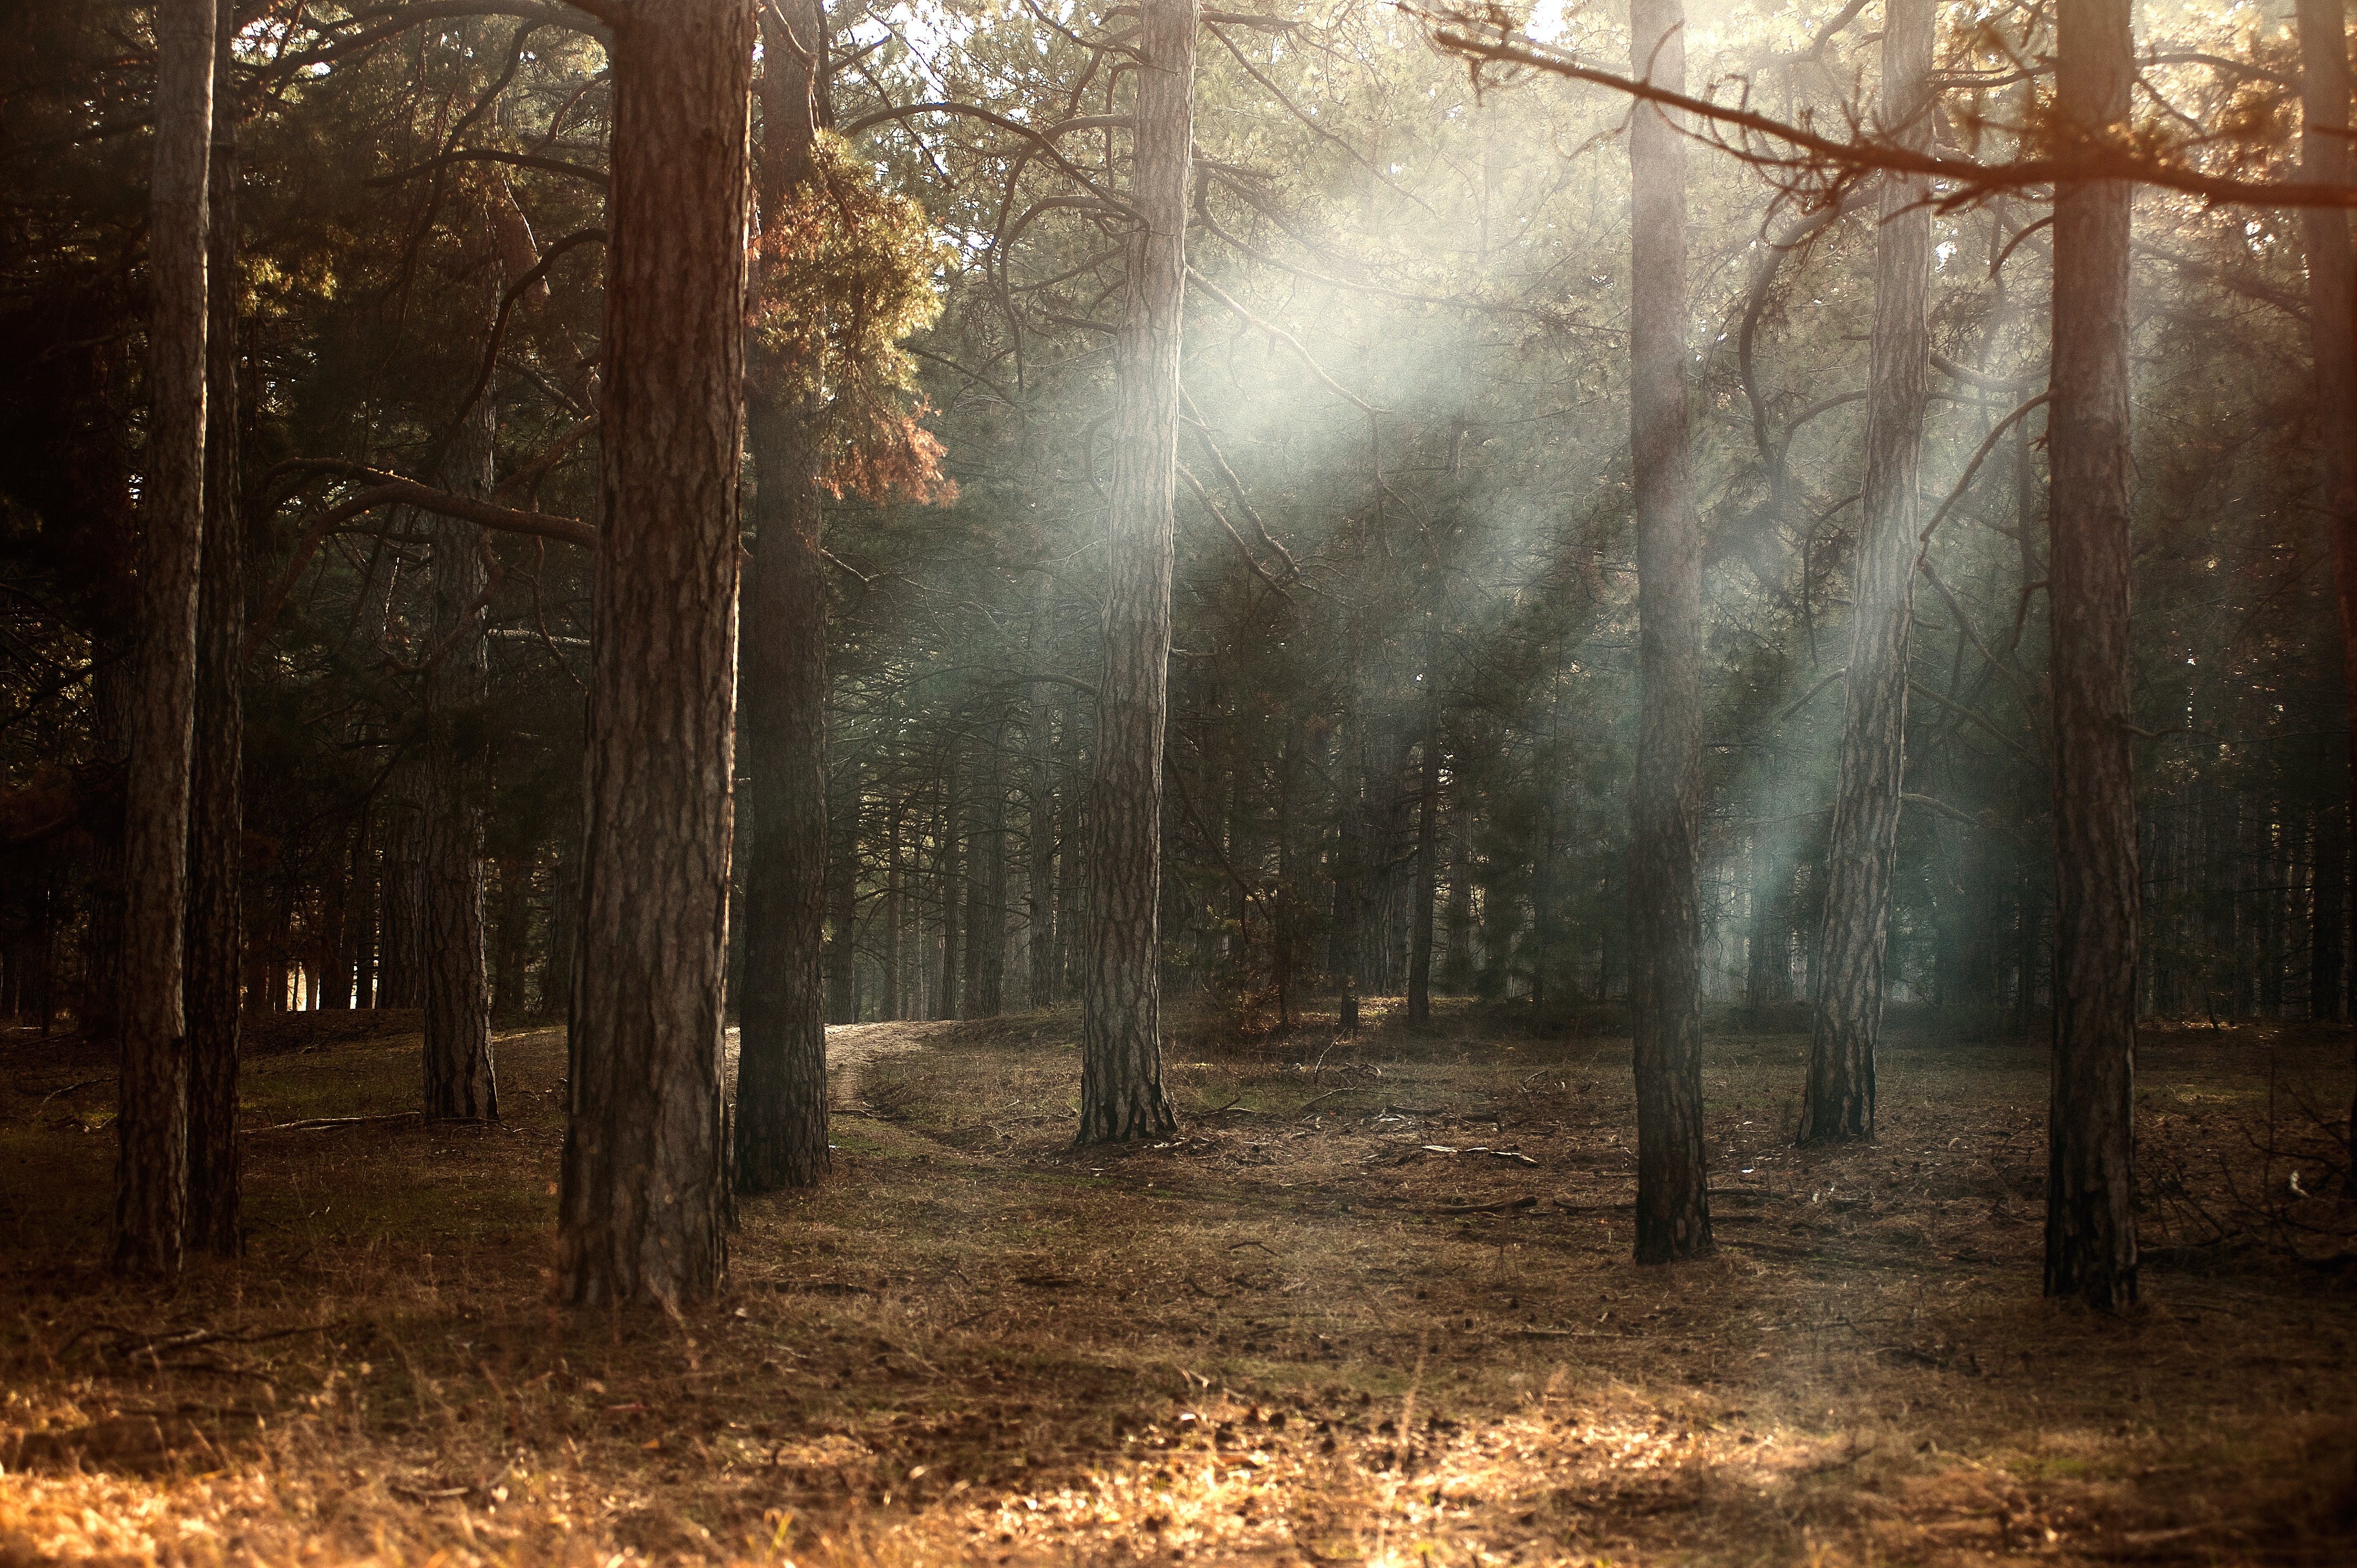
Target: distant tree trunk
[1122,1094]
[1286,923]
[2091,1235]
[461,1082]
[642,1196]
[1457,963]
[216,927]
[561,943]
[400,974]
[842,903]
[1040,739]
[1838,1104]
[511,947]
[1351,868]
[1072,834]
[1769,969]
[1664,888]
[986,909]
[888,1006]
[946,873]
[151,1193]
[1425,894]
[781,1122]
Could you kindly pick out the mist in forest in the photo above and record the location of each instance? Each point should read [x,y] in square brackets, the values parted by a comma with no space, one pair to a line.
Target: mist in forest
[982,780]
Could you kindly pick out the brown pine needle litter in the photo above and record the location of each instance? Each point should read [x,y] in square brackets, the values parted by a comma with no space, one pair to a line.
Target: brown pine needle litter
[1373,1303]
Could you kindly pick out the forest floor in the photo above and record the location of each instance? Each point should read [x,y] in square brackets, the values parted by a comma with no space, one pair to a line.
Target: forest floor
[1374,1304]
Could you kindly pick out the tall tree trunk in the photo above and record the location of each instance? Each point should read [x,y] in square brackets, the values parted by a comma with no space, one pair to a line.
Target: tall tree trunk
[643,1197]
[461,1082]
[151,1191]
[1122,1094]
[2091,1237]
[1838,1104]
[1664,888]
[215,800]
[2324,153]
[780,1118]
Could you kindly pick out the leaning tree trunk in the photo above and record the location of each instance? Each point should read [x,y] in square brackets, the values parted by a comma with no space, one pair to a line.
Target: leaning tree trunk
[1838,1104]
[1664,888]
[1122,1095]
[2324,157]
[2091,1235]
[216,801]
[461,1084]
[151,1191]
[781,1122]
[642,1198]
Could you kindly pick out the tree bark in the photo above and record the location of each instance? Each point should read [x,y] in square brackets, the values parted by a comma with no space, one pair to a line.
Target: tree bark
[780,1118]
[152,1129]
[1122,1094]
[216,926]
[643,1197]
[2331,275]
[2091,1237]
[1664,897]
[1838,1105]
[460,1081]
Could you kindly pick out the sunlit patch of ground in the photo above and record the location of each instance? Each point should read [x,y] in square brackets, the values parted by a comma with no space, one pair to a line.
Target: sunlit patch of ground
[1374,1305]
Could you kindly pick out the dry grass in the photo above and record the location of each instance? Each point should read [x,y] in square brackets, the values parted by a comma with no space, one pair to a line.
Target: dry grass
[1305,1331]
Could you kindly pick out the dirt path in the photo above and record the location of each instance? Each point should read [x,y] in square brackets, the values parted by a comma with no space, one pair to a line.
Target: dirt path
[850,1048]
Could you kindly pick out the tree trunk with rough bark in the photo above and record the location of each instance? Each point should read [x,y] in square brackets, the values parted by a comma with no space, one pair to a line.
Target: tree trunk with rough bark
[1838,1105]
[643,1197]
[2325,158]
[2091,1232]
[216,796]
[1664,888]
[460,1083]
[151,1193]
[1122,1093]
[780,1115]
